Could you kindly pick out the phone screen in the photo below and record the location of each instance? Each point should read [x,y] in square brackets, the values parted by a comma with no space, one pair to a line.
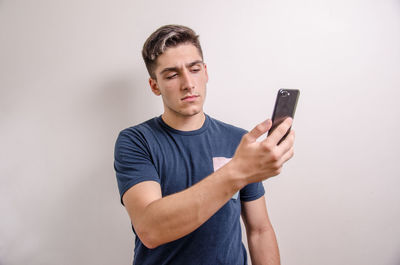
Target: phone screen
[285,106]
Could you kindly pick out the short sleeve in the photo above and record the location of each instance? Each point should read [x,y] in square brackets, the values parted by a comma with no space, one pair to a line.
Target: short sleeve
[252,192]
[132,161]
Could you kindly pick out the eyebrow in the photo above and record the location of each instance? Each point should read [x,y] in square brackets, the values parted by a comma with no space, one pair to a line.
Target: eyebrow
[175,69]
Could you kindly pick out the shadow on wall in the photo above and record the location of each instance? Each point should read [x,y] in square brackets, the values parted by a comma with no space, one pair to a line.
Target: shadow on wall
[88,209]
[126,101]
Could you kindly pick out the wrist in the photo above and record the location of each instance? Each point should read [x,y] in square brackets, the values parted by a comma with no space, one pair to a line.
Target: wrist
[236,177]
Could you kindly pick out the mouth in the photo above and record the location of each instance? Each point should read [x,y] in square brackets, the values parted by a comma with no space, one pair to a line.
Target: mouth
[190,98]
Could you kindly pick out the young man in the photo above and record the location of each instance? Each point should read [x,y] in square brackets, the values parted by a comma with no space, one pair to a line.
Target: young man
[185,178]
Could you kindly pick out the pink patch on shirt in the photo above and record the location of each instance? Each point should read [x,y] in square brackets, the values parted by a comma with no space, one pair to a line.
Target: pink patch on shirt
[219,162]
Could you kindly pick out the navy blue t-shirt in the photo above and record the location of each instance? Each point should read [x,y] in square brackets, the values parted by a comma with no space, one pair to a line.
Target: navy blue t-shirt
[153,151]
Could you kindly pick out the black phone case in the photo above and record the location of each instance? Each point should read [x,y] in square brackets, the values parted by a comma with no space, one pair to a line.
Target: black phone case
[285,106]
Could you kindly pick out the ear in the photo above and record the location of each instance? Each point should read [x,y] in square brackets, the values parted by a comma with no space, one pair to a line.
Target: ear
[205,70]
[154,87]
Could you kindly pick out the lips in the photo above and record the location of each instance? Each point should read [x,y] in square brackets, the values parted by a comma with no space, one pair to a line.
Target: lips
[190,98]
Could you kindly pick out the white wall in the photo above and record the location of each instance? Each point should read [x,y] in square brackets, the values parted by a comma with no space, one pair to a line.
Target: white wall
[71,77]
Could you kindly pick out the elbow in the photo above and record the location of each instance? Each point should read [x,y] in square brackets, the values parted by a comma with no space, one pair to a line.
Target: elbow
[150,244]
[149,238]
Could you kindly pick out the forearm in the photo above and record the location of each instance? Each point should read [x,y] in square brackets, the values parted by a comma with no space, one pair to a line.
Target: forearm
[174,216]
[263,247]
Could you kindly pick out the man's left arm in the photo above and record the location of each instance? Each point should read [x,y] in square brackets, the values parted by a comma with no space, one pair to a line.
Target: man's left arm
[261,237]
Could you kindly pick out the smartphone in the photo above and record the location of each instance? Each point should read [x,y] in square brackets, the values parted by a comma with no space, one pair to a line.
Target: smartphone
[285,106]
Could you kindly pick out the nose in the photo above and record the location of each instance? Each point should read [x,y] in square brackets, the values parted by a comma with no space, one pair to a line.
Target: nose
[187,81]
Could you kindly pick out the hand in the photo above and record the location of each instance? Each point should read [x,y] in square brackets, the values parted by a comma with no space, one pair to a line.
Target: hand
[257,161]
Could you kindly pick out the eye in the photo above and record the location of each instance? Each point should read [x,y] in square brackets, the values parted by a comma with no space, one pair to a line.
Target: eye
[172,76]
[195,69]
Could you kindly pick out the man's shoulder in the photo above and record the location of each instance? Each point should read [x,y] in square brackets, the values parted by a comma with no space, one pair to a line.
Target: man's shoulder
[141,128]
[142,132]
[226,127]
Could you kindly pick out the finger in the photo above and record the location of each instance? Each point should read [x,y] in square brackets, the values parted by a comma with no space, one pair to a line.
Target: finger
[288,155]
[260,129]
[288,142]
[280,131]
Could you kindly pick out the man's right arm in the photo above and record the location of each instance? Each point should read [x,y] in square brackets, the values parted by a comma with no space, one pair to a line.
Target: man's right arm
[158,220]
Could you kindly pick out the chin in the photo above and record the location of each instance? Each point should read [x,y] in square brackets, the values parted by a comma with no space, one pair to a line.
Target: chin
[192,112]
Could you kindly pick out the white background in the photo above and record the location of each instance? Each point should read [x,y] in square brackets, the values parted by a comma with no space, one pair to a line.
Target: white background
[72,77]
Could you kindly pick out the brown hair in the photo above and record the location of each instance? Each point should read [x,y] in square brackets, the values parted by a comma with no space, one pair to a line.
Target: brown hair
[166,37]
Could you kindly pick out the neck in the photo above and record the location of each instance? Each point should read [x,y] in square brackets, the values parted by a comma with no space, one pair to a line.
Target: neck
[184,123]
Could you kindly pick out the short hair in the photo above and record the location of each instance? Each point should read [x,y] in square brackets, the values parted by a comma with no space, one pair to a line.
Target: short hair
[166,37]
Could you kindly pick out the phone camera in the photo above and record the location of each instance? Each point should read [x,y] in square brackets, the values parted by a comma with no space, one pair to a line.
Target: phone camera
[284,93]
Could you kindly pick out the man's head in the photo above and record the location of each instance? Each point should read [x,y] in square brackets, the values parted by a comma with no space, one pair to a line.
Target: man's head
[168,36]
[177,72]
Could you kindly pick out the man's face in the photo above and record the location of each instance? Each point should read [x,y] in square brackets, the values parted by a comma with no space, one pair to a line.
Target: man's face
[181,81]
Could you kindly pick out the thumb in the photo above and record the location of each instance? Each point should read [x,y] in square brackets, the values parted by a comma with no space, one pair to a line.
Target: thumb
[260,129]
